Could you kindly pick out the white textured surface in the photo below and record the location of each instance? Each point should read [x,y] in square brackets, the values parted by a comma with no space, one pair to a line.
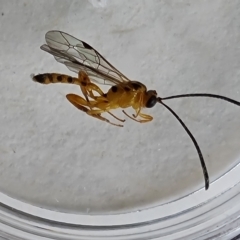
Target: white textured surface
[52,155]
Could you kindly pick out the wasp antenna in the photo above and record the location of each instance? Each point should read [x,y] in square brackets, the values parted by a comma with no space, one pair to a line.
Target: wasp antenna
[203,95]
[204,168]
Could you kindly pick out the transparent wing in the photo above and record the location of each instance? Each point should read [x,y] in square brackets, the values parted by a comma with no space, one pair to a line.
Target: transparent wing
[79,56]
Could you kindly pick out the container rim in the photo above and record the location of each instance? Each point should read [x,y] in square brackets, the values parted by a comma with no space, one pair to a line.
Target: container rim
[198,214]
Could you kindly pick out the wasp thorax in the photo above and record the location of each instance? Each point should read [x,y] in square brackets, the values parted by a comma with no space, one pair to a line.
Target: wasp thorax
[151,98]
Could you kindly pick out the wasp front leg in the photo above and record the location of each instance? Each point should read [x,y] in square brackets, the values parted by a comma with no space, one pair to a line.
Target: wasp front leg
[145,117]
[138,106]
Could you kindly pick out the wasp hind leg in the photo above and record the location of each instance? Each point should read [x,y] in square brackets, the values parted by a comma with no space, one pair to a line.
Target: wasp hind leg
[85,106]
[87,87]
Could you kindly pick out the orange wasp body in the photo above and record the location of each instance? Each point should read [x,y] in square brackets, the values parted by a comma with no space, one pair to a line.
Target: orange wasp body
[130,94]
[91,67]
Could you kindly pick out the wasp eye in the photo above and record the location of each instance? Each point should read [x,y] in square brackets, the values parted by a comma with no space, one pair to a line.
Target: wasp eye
[151,101]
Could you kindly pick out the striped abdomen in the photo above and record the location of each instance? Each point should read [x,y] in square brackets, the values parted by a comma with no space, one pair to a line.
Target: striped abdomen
[47,78]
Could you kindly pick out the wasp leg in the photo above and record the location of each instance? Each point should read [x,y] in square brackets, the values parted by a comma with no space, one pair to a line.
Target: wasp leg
[87,87]
[98,114]
[104,106]
[138,109]
[119,119]
[134,119]
[146,118]
[81,104]
[100,99]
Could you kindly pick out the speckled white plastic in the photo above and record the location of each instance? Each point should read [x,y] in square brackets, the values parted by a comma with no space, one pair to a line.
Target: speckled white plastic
[55,158]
